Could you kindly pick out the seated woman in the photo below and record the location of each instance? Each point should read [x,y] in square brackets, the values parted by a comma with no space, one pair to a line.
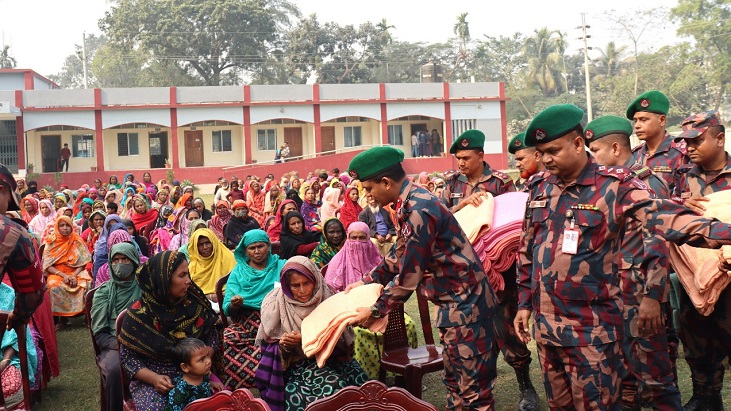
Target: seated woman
[193,227]
[330,204]
[295,240]
[12,380]
[280,335]
[183,230]
[256,272]
[331,242]
[64,260]
[116,237]
[100,247]
[46,215]
[310,210]
[219,221]
[141,241]
[351,208]
[239,224]
[200,205]
[275,229]
[143,216]
[109,300]
[171,308]
[96,225]
[209,261]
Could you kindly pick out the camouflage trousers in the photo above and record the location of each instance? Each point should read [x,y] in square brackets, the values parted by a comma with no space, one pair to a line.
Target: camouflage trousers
[649,364]
[515,352]
[469,366]
[582,378]
[706,339]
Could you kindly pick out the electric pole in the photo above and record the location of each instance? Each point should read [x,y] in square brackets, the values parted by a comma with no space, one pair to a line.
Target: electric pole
[586,64]
[83,60]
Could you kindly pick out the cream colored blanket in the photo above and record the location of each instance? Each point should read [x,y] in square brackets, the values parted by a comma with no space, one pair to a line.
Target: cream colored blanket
[473,219]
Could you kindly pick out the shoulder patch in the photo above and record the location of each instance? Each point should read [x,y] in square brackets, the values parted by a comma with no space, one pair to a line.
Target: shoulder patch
[535,178]
[680,146]
[620,173]
[639,184]
[502,176]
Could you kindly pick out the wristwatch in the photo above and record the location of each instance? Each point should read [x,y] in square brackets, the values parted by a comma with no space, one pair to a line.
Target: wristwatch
[375,312]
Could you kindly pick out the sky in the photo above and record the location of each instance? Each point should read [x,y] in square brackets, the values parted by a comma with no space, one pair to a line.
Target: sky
[42,33]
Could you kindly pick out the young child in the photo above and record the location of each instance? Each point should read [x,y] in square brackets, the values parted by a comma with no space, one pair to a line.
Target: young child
[195,362]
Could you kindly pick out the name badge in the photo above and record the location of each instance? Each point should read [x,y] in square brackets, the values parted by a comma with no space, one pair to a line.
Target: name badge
[537,204]
[570,241]
[456,195]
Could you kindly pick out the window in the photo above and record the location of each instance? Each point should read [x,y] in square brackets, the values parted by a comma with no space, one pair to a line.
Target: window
[83,145]
[221,140]
[352,136]
[395,135]
[127,144]
[266,139]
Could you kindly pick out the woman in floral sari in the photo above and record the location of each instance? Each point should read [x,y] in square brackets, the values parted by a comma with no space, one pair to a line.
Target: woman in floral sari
[64,260]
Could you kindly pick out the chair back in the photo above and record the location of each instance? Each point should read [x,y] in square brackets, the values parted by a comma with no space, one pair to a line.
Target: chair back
[239,400]
[425,318]
[371,396]
[275,247]
[128,404]
[23,354]
[395,336]
[219,295]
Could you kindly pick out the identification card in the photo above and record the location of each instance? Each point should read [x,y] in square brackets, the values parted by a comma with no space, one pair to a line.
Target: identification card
[570,241]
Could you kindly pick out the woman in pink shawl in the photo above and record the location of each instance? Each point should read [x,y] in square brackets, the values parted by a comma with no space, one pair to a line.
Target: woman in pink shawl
[330,204]
[423,179]
[46,215]
[357,257]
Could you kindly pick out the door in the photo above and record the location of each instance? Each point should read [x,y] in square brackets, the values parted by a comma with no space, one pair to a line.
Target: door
[328,140]
[194,148]
[416,128]
[51,152]
[293,137]
[158,149]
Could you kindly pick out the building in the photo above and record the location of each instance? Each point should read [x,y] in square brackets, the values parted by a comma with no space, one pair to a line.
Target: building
[204,132]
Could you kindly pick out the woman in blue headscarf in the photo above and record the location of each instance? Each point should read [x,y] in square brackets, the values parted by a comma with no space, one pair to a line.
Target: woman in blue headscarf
[100,247]
[255,274]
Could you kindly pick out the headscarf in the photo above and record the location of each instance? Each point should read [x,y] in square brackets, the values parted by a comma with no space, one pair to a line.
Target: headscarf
[98,203]
[293,195]
[116,186]
[219,221]
[100,248]
[158,204]
[27,217]
[350,209]
[141,220]
[271,205]
[289,241]
[325,251]
[344,179]
[275,230]
[117,236]
[38,224]
[256,203]
[330,203]
[205,271]
[32,187]
[303,189]
[93,232]
[129,193]
[163,215]
[249,283]
[236,228]
[423,179]
[184,199]
[69,250]
[114,296]
[355,259]
[117,197]
[153,325]
[62,196]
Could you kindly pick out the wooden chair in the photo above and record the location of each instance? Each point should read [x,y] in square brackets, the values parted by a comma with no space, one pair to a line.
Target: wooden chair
[88,301]
[128,404]
[372,396]
[239,400]
[275,247]
[219,295]
[399,358]
[23,354]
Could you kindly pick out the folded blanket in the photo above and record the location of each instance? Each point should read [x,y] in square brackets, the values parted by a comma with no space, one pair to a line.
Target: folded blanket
[474,219]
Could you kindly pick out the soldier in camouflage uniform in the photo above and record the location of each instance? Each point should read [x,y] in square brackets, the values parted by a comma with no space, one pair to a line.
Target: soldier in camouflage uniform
[432,253]
[527,160]
[647,355]
[705,339]
[472,183]
[567,269]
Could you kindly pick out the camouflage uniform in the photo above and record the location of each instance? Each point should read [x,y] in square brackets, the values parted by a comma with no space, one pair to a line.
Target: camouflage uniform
[648,359]
[575,299]
[705,339]
[668,158]
[458,187]
[433,253]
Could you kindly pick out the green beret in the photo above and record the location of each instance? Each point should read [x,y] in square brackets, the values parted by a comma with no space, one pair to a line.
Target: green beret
[553,123]
[651,101]
[374,161]
[517,143]
[469,140]
[604,126]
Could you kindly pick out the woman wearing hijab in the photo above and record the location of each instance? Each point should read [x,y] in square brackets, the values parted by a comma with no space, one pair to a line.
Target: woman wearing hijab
[175,195]
[310,210]
[330,204]
[142,244]
[357,257]
[29,206]
[350,209]
[275,229]
[294,195]
[239,224]
[109,300]
[113,183]
[255,198]
[331,241]
[114,196]
[219,221]
[280,336]
[294,239]
[46,215]
[81,223]
[171,308]
[143,216]
[205,213]
[195,225]
[209,261]
[100,247]
[128,178]
[273,199]
[254,276]
[64,260]
[94,229]
[161,233]
[423,179]
[32,188]
[185,202]
[147,180]
[59,200]
[98,206]
[162,198]
[180,239]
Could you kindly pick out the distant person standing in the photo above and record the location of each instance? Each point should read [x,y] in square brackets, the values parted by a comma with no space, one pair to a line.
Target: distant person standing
[285,152]
[65,155]
[422,143]
[436,143]
[415,145]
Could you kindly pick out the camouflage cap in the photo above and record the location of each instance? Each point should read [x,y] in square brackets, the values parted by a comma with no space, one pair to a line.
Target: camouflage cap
[469,140]
[697,124]
[606,125]
[517,143]
[7,177]
[374,161]
[553,123]
[651,101]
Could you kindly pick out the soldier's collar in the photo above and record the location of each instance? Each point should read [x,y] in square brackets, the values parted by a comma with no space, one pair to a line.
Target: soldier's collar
[486,173]
[403,195]
[586,178]
[696,170]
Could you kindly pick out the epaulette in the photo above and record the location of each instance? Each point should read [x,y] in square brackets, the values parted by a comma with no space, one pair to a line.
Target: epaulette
[620,173]
[680,146]
[684,168]
[502,176]
[641,171]
[535,178]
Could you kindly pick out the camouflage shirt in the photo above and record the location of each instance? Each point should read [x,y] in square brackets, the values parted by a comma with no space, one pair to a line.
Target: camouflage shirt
[668,158]
[694,182]
[576,297]
[433,252]
[458,187]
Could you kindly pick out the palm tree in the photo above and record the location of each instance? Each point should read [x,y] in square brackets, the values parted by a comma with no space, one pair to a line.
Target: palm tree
[611,59]
[7,61]
[462,30]
[384,27]
[544,53]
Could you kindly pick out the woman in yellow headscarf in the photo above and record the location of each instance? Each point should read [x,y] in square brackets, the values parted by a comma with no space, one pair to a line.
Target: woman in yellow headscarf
[209,261]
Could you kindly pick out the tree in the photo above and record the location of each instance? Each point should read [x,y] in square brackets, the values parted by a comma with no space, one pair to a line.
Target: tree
[544,52]
[611,59]
[72,71]
[498,58]
[6,60]
[205,37]
[461,29]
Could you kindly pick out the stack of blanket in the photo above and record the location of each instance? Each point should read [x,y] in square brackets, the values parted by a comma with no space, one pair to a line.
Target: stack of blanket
[697,268]
[322,328]
[497,225]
